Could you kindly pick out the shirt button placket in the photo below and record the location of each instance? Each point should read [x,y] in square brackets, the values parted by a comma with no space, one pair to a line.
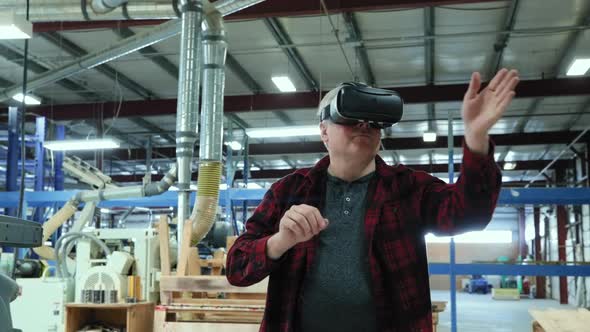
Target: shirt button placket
[347,205]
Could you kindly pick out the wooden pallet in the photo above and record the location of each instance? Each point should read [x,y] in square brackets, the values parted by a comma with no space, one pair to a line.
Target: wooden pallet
[560,320]
[212,304]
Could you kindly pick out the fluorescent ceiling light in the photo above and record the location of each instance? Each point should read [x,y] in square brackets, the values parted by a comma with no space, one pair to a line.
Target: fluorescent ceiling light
[234,145]
[429,136]
[579,67]
[284,83]
[283,131]
[14,27]
[82,144]
[29,99]
[508,166]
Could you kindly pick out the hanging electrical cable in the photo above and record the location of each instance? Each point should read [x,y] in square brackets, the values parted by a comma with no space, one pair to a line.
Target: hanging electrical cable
[335,32]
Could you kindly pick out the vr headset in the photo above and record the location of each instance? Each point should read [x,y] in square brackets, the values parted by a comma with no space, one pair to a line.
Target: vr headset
[359,103]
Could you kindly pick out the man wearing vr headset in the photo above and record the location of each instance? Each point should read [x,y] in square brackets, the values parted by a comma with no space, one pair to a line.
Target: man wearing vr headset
[343,241]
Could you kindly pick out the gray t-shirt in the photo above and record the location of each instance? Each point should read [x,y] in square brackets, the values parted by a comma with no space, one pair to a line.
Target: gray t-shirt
[337,293]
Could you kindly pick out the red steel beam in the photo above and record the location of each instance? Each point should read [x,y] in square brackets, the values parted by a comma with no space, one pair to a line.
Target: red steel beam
[396,144]
[269,8]
[298,100]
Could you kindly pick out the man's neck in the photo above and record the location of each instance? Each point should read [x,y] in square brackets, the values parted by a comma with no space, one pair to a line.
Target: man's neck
[350,169]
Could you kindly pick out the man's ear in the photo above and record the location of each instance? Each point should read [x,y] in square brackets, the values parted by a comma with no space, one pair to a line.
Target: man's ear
[324,131]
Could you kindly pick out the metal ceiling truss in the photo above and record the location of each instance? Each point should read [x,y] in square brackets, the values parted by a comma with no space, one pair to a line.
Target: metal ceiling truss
[270,9]
[38,68]
[502,39]
[282,38]
[354,31]
[151,53]
[105,69]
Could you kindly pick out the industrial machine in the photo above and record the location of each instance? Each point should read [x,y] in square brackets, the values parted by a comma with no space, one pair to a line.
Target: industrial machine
[50,295]
[138,246]
[21,234]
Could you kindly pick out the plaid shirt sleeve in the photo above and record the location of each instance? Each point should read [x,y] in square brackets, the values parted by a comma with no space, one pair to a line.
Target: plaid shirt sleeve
[247,262]
[466,205]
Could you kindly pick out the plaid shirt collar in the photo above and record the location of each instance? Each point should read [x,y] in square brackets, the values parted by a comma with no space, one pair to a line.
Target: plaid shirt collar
[319,170]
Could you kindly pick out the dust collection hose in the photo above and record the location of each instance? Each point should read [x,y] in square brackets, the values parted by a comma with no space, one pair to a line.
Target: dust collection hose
[65,213]
[203,215]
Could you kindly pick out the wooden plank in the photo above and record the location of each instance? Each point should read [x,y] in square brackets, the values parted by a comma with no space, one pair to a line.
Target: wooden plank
[537,327]
[194,262]
[159,319]
[140,318]
[439,306]
[560,320]
[207,327]
[208,284]
[108,306]
[164,237]
[214,308]
[222,302]
[75,318]
[246,296]
[185,248]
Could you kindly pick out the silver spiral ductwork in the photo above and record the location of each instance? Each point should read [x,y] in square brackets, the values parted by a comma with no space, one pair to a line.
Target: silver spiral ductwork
[214,54]
[188,101]
[210,145]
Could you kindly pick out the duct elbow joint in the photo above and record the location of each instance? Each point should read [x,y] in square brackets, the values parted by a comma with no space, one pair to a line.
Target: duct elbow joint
[105,6]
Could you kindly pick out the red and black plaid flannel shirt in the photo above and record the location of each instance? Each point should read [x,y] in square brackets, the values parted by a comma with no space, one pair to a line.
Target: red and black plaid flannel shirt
[402,206]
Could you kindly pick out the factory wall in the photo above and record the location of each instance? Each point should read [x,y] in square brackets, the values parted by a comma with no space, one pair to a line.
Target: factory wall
[466,253]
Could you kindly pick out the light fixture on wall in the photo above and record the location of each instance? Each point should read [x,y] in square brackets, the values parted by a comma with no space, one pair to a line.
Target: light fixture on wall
[82,144]
[29,99]
[234,145]
[14,26]
[579,67]
[509,166]
[284,83]
[429,136]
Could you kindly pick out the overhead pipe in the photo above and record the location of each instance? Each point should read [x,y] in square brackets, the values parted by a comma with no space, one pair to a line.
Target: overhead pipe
[98,10]
[105,6]
[94,196]
[211,138]
[117,50]
[95,10]
[187,115]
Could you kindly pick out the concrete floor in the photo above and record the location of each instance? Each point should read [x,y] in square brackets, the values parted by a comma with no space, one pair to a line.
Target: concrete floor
[479,313]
